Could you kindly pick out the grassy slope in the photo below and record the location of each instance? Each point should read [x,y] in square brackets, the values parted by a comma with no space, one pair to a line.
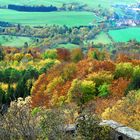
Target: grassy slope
[13,41]
[102,38]
[125,35]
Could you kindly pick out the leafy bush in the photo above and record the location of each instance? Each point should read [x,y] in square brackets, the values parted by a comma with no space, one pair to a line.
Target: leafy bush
[18,122]
[30,73]
[135,83]
[10,75]
[2,96]
[52,54]
[74,91]
[63,54]
[82,91]
[68,71]
[101,77]
[1,54]
[24,123]
[119,86]
[124,70]
[103,90]
[96,54]
[126,111]
[54,83]
[88,90]
[18,57]
[47,66]
[89,128]
[76,55]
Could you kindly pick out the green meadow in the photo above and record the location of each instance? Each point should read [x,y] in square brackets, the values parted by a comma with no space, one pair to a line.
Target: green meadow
[124,35]
[14,41]
[42,18]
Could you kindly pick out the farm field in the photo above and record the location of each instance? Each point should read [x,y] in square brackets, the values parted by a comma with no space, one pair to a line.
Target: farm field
[102,38]
[13,41]
[41,18]
[124,35]
[59,3]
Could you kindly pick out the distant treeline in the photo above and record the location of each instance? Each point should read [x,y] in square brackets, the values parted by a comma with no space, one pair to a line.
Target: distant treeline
[5,24]
[32,8]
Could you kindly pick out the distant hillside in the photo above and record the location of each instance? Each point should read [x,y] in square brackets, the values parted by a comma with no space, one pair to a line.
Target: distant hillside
[59,3]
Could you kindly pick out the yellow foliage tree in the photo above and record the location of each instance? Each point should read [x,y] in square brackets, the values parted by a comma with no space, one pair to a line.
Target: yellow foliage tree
[126,111]
[100,77]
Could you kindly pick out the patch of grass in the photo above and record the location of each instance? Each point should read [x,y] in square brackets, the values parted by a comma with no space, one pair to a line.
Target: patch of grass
[102,38]
[14,41]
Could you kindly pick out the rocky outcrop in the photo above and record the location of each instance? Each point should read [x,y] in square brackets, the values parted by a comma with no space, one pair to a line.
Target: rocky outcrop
[121,132]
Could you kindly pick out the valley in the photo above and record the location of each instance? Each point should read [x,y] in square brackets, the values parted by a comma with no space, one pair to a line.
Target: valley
[68,65]
[111,20]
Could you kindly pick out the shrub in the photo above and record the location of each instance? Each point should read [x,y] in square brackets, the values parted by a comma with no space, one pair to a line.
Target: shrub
[103,90]
[50,63]
[82,91]
[74,91]
[88,90]
[89,128]
[54,83]
[22,122]
[119,86]
[68,71]
[93,54]
[1,54]
[126,111]
[28,57]
[63,54]
[11,75]
[18,56]
[97,55]
[103,66]
[76,55]
[52,54]
[2,96]
[18,122]
[135,83]
[101,77]
[124,70]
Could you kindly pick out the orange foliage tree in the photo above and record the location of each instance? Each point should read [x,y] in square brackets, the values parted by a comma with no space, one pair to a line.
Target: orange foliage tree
[122,58]
[119,86]
[63,54]
[38,96]
[50,89]
[117,91]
